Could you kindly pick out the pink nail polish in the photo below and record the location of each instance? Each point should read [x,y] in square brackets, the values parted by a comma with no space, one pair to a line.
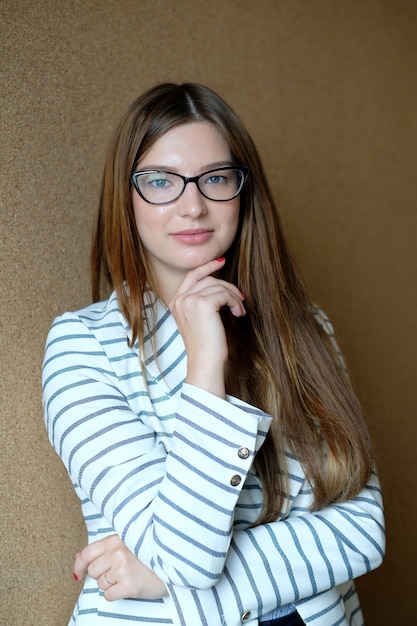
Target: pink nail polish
[75,576]
[220,259]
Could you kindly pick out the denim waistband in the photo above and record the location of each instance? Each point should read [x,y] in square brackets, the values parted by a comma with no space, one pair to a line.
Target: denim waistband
[293,619]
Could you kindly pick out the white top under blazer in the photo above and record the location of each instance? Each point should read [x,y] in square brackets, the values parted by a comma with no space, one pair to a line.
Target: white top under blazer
[169,468]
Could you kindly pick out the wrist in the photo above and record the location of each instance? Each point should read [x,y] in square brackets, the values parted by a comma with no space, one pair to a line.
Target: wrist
[207,377]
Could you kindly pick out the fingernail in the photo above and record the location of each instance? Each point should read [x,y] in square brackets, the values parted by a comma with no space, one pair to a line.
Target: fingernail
[220,259]
[243,295]
[75,576]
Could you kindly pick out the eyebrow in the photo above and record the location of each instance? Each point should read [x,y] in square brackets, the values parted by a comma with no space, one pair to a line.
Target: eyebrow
[175,170]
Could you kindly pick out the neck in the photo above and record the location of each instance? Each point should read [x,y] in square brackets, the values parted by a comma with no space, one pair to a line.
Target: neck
[166,285]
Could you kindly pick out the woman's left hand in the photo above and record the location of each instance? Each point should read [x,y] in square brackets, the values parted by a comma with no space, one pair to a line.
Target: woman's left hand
[117,571]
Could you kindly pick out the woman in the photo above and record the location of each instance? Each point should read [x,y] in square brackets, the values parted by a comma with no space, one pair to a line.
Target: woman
[224,468]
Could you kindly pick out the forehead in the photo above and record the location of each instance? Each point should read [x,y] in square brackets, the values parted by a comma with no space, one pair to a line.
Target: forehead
[190,145]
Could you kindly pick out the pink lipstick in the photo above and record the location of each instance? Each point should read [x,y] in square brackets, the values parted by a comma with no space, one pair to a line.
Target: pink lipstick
[193,236]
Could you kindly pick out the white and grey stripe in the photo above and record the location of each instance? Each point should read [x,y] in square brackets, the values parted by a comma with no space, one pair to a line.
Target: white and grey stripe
[152,459]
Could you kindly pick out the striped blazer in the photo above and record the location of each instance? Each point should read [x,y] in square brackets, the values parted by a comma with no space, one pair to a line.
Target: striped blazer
[168,467]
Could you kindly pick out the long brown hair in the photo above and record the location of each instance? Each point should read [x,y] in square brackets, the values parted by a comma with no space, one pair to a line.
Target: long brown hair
[288,367]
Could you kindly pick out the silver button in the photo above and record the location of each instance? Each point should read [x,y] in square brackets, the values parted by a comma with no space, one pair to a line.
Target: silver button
[235,480]
[245,616]
[243,453]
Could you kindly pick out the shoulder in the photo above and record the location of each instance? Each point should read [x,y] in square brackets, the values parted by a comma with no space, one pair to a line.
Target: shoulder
[325,323]
[96,314]
[100,319]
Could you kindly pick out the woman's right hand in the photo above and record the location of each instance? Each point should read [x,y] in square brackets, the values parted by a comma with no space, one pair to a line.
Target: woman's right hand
[196,307]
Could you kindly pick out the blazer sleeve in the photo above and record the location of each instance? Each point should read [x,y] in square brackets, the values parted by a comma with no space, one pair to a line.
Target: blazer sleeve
[173,509]
[295,559]
[291,560]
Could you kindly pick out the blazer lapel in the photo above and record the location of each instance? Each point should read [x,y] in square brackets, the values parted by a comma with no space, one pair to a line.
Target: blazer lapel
[164,357]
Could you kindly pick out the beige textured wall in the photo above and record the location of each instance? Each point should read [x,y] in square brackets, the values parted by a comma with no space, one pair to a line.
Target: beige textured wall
[328,89]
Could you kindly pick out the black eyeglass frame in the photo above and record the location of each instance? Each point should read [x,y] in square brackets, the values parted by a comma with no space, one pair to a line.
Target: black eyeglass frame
[191,179]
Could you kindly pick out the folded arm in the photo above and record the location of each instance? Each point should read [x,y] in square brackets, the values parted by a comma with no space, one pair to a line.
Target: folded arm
[292,560]
[146,493]
[279,563]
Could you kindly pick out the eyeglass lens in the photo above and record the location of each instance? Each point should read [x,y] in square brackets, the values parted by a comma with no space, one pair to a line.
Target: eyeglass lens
[160,187]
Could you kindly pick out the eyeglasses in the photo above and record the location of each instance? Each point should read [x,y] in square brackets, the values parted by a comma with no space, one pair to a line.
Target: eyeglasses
[161,187]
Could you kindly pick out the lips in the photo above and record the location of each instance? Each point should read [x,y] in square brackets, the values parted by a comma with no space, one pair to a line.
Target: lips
[193,236]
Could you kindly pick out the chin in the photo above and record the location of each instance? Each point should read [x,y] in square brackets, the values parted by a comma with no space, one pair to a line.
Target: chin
[199,258]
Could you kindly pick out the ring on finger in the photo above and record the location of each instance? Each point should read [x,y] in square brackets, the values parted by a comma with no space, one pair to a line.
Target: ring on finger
[107,581]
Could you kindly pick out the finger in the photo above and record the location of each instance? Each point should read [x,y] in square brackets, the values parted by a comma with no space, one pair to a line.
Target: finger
[194,276]
[80,567]
[215,296]
[105,581]
[84,558]
[209,287]
[215,283]
[235,305]
[114,592]
[225,294]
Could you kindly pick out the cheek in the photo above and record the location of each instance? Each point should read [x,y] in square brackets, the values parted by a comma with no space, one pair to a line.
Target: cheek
[146,229]
[148,219]
[233,222]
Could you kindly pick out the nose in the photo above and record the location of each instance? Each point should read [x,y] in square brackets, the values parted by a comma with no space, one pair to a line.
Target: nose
[192,202]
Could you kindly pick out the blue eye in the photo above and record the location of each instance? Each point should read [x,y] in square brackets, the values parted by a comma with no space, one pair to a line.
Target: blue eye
[159,183]
[216,179]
